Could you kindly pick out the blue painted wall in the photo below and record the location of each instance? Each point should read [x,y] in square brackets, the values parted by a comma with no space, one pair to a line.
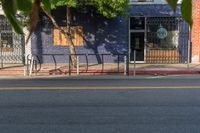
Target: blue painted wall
[101,35]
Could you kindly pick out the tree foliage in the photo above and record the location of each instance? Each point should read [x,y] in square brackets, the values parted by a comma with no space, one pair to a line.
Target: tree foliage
[186,9]
[11,7]
[108,8]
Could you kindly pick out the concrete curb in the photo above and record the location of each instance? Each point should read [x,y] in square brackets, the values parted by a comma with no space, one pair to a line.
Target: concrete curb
[101,77]
[91,72]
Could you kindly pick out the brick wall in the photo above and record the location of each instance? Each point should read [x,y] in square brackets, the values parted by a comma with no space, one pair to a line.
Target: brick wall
[196,32]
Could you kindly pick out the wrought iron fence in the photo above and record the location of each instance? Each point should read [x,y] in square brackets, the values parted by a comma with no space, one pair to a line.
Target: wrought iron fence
[11,45]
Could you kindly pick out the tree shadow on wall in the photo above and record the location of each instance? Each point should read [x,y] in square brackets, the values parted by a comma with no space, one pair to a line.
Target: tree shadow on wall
[104,36]
[44,27]
[36,42]
[101,35]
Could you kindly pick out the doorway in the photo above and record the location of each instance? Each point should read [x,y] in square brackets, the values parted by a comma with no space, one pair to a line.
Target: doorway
[137,44]
[136,39]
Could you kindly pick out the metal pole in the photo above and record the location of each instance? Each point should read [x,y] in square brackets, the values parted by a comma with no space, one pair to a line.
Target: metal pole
[1,54]
[77,66]
[35,65]
[69,65]
[27,67]
[55,63]
[125,65]
[189,40]
[102,57]
[134,63]
[118,62]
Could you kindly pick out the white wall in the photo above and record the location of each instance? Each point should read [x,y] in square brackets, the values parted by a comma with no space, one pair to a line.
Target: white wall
[1,11]
[28,45]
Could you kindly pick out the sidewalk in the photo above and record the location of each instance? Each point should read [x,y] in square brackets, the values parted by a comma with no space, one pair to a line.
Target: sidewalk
[106,69]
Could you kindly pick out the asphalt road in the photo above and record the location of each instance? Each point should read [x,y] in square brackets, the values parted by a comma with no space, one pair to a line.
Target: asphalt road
[101,109]
[104,82]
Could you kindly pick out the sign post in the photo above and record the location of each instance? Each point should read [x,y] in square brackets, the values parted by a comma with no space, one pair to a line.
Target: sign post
[134,71]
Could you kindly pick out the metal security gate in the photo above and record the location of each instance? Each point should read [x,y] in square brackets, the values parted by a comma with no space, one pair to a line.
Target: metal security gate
[167,40]
[11,45]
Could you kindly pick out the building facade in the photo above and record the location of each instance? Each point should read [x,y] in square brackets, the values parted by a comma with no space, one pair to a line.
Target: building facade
[153,33]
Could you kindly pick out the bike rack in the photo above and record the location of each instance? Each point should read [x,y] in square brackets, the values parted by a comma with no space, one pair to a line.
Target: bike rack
[34,61]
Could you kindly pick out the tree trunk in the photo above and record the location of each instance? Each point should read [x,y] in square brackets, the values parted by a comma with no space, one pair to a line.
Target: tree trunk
[68,35]
[72,48]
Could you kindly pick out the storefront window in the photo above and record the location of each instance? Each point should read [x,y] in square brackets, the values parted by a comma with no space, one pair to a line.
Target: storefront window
[162,33]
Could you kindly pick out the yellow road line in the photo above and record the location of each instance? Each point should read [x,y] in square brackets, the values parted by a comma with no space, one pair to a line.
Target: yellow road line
[100,88]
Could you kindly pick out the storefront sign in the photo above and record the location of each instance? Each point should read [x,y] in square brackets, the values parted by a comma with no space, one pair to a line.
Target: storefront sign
[161,33]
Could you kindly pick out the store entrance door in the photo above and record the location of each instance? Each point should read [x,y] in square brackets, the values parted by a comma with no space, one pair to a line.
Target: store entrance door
[137,45]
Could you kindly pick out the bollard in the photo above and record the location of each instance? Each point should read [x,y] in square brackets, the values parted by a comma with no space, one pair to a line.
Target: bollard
[31,67]
[35,66]
[77,66]
[125,67]
[27,66]
[25,70]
